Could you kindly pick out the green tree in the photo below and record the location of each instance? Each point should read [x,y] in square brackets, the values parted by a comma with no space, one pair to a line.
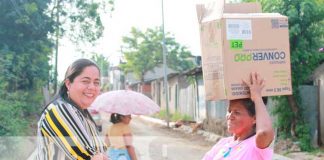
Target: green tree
[102,62]
[306,32]
[143,52]
[24,54]
[80,20]
[24,46]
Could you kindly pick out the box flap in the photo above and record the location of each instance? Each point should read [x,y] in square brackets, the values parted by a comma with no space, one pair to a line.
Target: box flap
[254,7]
[209,11]
[212,10]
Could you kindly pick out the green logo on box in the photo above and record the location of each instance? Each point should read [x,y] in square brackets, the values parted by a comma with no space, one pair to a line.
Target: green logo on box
[236,44]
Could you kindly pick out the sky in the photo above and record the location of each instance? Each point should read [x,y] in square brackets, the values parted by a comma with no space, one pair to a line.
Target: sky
[180,20]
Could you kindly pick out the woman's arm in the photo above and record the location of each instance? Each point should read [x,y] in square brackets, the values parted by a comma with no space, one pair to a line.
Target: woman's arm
[264,130]
[129,146]
[107,141]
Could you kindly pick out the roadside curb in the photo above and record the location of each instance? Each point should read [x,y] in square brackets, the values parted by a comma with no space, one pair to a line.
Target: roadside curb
[155,120]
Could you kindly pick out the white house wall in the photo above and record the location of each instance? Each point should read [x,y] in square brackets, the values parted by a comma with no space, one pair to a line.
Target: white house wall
[185,101]
[172,85]
[201,103]
[184,97]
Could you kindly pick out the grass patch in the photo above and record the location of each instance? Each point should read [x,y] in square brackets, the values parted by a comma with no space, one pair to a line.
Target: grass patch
[173,117]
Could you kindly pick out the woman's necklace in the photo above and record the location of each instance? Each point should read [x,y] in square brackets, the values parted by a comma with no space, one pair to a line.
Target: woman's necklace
[227,153]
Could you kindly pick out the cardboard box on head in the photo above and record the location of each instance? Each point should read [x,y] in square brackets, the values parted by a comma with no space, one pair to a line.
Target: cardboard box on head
[236,42]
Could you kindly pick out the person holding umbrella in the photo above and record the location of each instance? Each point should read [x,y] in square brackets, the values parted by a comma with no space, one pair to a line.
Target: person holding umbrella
[119,138]
[66,130]
[121,104]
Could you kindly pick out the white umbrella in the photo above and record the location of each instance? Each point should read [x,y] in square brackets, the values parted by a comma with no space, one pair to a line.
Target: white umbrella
[125,102]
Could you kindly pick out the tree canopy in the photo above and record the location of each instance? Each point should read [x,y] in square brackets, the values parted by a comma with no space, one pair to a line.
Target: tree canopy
[24,46]
[143,52]
[102,62]
[24,68]
[79,20]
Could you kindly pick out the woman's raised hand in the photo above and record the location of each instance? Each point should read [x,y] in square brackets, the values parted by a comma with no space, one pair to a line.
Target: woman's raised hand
[256,84]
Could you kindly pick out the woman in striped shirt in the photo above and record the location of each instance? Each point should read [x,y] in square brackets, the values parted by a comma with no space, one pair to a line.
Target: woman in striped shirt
[66,130]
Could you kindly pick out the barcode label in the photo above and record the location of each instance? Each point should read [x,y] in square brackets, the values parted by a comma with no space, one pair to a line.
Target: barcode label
[237,29]
[246,32]
[233,26]
[275,23]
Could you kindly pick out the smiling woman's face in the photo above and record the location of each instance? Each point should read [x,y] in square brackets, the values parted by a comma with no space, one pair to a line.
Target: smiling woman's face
[85,87]
[238,119]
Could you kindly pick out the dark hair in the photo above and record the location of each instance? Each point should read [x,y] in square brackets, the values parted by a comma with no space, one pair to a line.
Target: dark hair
[249,104]
[73,71]
[115,118]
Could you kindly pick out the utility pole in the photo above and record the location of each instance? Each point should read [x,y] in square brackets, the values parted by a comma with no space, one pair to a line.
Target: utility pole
[165,70]
[57,36]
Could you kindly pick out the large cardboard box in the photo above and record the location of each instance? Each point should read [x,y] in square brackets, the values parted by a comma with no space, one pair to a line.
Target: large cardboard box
[236,44]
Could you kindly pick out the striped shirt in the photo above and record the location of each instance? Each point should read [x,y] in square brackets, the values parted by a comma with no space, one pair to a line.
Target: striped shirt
[65,133]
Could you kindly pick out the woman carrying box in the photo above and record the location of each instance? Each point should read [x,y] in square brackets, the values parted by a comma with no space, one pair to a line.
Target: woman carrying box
[250,124]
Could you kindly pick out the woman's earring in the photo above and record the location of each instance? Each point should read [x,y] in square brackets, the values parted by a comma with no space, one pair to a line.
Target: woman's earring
[68,94]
